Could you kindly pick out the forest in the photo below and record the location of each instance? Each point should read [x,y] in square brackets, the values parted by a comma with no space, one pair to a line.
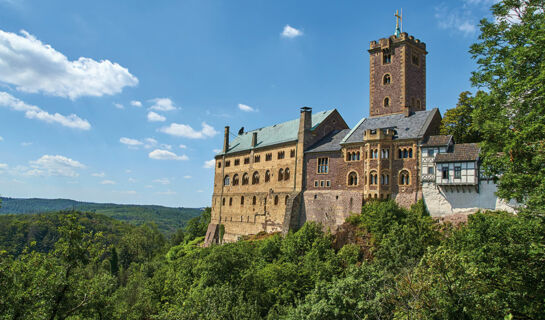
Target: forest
[388,263]
[168,220]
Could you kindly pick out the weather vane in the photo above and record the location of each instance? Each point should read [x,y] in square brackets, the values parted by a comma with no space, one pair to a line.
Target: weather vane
[399,23]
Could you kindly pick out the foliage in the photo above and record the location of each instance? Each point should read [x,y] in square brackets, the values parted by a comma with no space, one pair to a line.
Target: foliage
[510,114]
[458,121]
[491,268]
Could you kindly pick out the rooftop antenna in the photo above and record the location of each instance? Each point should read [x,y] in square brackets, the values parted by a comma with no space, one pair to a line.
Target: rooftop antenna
[399,23]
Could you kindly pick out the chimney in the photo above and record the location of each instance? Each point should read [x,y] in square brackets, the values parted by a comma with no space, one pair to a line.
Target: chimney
[254,139]
[406,111]
[306,118]
[226,140]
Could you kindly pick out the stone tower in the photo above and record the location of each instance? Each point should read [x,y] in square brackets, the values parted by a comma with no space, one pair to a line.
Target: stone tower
[397,75]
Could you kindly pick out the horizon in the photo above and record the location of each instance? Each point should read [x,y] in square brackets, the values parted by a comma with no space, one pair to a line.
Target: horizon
[125,103]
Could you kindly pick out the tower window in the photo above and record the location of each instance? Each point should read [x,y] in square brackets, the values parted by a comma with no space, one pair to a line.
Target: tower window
[386,56]
[416,60]
[386,79]
[280,155]
[386,102]
[418,104]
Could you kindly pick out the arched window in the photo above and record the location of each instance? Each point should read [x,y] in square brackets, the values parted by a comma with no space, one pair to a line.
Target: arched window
[410,152]
[276,200]
[358,155]
[405,153]
[373,177]
[223,202]
[254,200]
[280,174]
[267,176]
[418,104]
[286,200]
[352,179]
[348,156]
[245,179]
[255,178]
[386,79]
[287,174]
[230,201]
[404,178]
[385,179]
[235,180]
[386,102]
[242,200]
[400,155]
[226,181]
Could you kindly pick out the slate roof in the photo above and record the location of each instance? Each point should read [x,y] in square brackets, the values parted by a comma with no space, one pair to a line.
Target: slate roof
[331,142]
[410,127]
[273,135]
[461,152]
[437,141]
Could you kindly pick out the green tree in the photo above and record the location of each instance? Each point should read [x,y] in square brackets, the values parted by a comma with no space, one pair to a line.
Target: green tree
[458,121]
[510,54]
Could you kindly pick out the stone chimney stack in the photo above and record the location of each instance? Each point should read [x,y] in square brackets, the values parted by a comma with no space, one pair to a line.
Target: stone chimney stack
[254,139]
[306,119]
[226,140]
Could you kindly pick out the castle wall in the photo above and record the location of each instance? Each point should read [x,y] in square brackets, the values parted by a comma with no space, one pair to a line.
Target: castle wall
[441,201]
[330,207]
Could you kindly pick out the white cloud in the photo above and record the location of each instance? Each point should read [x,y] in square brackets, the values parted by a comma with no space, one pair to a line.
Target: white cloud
[107,182]
[182,146]
[130,142]
[155,117]
[136,103]
[290,32]
[57,165]
[209,164]
[166,146]
[162,104]
[159,154]
[3,166]
[132,180]
[184,130]
[119,106]
[463,18]
[128,171]
[167,193]
[200,191]
[162,181]
[26,144]
[216,150]
[128,192]
[246,108]
[33,66]
[1,138]
[99,174]
[187,177]
[150,143]
[33,112]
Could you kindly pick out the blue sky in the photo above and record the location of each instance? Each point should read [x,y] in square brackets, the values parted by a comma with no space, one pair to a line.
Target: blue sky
[125,101]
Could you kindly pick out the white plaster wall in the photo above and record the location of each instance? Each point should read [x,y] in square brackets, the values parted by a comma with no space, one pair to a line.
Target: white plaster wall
[441,203]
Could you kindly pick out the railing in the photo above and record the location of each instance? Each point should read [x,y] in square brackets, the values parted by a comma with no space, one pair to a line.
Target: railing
[428,177]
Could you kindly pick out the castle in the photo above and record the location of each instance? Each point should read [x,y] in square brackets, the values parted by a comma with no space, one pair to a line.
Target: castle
[316,168]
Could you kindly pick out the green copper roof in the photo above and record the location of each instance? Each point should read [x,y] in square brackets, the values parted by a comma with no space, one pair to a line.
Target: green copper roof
[272,135]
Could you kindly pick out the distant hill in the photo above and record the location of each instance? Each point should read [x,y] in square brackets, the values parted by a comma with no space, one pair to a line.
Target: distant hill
[167,219]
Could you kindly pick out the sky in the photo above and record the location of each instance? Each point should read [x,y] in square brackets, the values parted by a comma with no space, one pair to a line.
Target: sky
[126,101]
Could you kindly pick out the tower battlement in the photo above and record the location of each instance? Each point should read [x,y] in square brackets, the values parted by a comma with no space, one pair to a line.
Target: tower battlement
[404,37]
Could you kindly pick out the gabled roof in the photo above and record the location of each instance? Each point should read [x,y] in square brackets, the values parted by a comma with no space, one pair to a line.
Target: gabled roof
[461,152]
[410,127]
[331,142]
[273,135]
[437,141]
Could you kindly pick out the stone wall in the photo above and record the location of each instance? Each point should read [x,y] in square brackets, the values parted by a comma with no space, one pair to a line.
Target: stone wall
[441,202]
[330,207]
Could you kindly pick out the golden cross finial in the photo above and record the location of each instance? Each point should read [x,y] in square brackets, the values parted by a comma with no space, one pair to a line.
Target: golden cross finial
[399,22]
